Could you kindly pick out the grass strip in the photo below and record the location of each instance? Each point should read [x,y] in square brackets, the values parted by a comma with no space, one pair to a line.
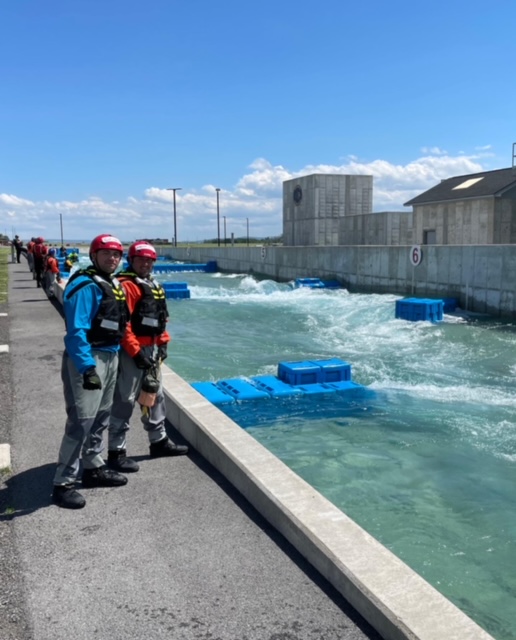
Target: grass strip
[4,275]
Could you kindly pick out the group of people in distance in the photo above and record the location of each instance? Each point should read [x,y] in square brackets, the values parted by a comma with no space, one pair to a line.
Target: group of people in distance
[115,342]
[43,263]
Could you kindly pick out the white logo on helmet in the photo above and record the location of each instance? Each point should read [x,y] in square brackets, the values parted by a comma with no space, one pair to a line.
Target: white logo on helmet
[143,247]
[110,239]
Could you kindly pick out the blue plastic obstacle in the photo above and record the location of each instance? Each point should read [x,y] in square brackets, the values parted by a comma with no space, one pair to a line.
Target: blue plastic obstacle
[294,379]
[419,309]
[316,283]
[176,290]
[176,267]
[450,305]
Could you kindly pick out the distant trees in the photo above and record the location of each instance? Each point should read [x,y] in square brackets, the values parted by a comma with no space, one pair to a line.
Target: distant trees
[269,240]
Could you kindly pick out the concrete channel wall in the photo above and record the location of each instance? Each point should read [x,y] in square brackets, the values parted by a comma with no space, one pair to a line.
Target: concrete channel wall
[481,277]
[393,598]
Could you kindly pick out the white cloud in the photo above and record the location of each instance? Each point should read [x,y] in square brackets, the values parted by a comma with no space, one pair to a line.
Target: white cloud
[434,151]
[257,196]
[13,201]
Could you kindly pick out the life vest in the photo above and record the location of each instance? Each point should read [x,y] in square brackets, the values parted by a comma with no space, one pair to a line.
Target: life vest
[52,265]
[108,326]
[150,315]
[40,250]
[30,246]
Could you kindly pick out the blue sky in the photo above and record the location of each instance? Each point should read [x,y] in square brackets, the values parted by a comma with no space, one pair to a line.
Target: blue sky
[106,103]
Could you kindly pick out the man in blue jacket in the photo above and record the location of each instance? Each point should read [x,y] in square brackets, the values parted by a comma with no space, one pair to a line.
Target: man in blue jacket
[96,316]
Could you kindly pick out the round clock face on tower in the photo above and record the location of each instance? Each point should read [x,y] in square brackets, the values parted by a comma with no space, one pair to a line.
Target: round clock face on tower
[297,195]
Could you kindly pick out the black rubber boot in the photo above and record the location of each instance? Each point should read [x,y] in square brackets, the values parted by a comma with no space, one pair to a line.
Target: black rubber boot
[102,477]
[65,496]
[119,461]
[165,448]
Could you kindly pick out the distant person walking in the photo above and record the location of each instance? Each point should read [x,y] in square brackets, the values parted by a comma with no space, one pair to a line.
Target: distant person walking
[144,347]
[30,255]
[96,316]
[18,246]
[52,274]
[39,251]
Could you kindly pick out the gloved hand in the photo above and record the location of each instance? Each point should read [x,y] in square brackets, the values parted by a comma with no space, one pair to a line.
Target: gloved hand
[162,352]
[91,380]
[142,361]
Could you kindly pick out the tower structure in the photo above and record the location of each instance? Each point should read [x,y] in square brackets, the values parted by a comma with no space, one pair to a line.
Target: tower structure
[314,206]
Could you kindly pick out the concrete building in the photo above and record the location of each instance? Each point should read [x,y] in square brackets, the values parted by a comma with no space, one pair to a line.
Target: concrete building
[385,228]
[336,210]
[479,208]
[315,206]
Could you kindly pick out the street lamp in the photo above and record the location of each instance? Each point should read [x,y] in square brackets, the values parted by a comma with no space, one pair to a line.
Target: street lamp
[218,217]
[224,230]
[174,189]
[61,222]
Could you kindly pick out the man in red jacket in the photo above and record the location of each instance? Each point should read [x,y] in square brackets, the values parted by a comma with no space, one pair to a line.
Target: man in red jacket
[40,253]
[51,272]
[144,347]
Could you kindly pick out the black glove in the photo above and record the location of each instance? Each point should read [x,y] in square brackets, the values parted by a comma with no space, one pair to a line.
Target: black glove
[162,352]
[143,362]
[91,380]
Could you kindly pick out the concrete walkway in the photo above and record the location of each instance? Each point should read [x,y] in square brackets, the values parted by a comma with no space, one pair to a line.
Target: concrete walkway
[178,553]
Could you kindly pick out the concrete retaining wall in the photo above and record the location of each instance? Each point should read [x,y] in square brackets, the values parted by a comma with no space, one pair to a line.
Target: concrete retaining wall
[482,277]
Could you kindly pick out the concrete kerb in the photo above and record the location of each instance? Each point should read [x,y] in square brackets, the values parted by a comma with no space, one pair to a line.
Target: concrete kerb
[5,457]
[393,598]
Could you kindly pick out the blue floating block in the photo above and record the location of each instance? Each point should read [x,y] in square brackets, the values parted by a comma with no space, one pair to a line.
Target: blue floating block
[312,283]
[297,373]
[174,285]
[181,267]
[333,370]
[419,309]
[309,389]
[345,385]
[241,389]
[211,266]
[331,284]
[274,387]
[177,294]
[450,304]
[213,393]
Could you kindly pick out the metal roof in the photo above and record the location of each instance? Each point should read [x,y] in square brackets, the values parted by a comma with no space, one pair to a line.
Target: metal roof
[473,185]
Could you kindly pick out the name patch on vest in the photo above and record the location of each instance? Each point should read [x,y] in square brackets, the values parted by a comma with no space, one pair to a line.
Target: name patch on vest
[109,324]
[150,322]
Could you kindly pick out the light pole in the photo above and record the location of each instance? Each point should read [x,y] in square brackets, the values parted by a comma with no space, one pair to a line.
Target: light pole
[247,219]
[174,189]
[218,217]
[224,230]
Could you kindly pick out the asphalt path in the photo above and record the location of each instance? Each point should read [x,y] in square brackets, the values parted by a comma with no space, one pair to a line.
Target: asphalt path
[177,553]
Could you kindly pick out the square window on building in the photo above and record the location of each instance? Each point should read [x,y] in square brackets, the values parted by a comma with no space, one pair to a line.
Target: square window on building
[429,237]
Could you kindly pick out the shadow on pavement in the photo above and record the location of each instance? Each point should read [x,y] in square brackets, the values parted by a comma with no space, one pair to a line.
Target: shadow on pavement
[27,492]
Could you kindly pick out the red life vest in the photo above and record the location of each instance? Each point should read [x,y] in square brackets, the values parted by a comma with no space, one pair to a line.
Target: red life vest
[40,250]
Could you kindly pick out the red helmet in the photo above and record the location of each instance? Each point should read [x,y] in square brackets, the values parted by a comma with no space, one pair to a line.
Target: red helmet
[142,249]
[106,241]
[40,240]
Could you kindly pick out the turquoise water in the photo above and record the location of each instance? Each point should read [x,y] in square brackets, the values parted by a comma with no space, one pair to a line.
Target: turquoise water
[425,461]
